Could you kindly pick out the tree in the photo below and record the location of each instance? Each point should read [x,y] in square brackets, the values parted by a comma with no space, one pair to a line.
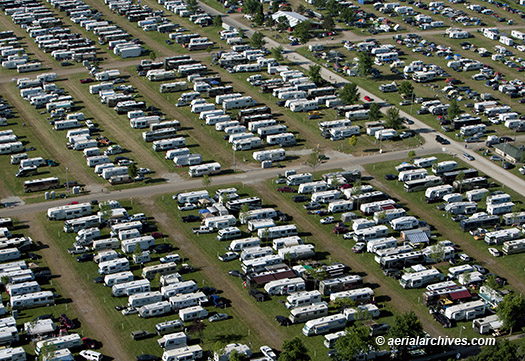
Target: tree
[460,177]
[138,250]
[217,21]
[48,351]
[347,15]
[192,6]
[301,9]
[302,31]
[282,23]
[294,350]
[406,89]
[244,210]
[341,303]
[317,274]
[236,356]
[328,23]
[357,186]
[258,19]
[152,55]
[314,72]
[453,110]
[349,94]
[252,7]
[269,22]
[275,6]
[132,170]
[355,341]
[155,283]
[392,118]
[333,181]
[257,40]
[364,65]
[332,7]
[277,53]
[105,210]
[197,326]
[319,3]
[437,252]
[380,217]
[511,311]
[352,141]
[374,114]
[491,282]
[411,154]
[405,325]
[313,160]
[206,180]
[502,351]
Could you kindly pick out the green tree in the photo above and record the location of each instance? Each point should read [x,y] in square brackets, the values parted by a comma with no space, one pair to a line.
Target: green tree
[314,72]
[437,252]
[347,15]
[196,327]
[47,352]
[236,356]
[317,274]
[460,177]
[206,181]
[392,118]
[333,8]
[4,280]
[491,282]
[258,19]
[341,303]
[374,114]
[313,160]
[405,325]
[355,341]
[282,23]
[132,170]
[511,311]
[453,110]
[138,250]
[155,282]
[269,22]
[380,217]
[275,7]
[294,350]
[257,40]
[364,65]
[277,53]
[352,141]
[217,21]
[301,9]
[358,185]
[192,6]
[349,93]
[411,154]
[152,55]
[251,7]
[503,350]
[319,3]
[302,31]
[105,210]
[328,23]
[406,89]
[244,211]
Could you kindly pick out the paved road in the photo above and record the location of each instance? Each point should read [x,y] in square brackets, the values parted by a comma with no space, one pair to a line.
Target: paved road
[257,175]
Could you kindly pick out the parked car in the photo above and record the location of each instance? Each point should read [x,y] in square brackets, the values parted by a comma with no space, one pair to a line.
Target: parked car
[390,176]
[368,99]
[228,256]
[283,321]
[157,235]
[327,220]
[99,279]
[144,171]
[508,165]
[468,156]
[91,355]
[170,258]
[130,311]
[358,247]
[300,199]
[147,357]
[494,252]
[187,207]
[218,317]
[285,190]
[312,206]
[87,80]
[162,248]
[85,257]
[259,296]
[268,353]
[191,218]
[140,335]
[442,140]
[236,273]
[495,158]
[442,320]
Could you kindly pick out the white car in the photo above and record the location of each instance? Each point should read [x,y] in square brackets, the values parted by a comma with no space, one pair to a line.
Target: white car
[268,352]
[494,252]
[170,258]
[187,207]
[348,235]
[464,257]
[228,256]
[522,170]
[129,311]
[143,171]
[91,355]
[327,220]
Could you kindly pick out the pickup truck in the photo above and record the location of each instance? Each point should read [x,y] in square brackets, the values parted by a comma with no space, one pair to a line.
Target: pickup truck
[202,229]
[78,250]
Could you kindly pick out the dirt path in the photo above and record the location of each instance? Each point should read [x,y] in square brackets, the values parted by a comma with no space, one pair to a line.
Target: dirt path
[251,316]
[60,154]
[466,246]
[397,298]
[92,315]
[119,129]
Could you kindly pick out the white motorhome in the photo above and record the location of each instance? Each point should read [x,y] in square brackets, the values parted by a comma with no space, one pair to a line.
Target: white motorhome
[113,266]
[144,298]
[421,278]
[120,289]
[33,299]
[466,311]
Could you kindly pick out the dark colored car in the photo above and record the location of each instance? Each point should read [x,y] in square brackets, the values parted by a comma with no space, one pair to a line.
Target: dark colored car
[300,199]
[99,279]
[191,218]
[235,273]
[442,320]
[340,230]
[66,322]
[147,357]
[140,335]
[390,176]
[259,296]
[208,290]
[217,301]
[392,272]
[89,343]
[162,248]
[33,256]
[87,80]
[508,165]
[44,275]
[157,235]
[85,257]
[283,321]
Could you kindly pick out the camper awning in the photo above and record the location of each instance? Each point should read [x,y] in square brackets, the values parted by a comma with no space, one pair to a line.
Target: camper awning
[460,295]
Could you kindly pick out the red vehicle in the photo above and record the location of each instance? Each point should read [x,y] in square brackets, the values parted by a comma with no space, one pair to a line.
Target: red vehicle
[87,80]
[157,235]
[340,230]
[89,343]
[66,322]
[285,190]
[346,186]
[71,203]
[368,99]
